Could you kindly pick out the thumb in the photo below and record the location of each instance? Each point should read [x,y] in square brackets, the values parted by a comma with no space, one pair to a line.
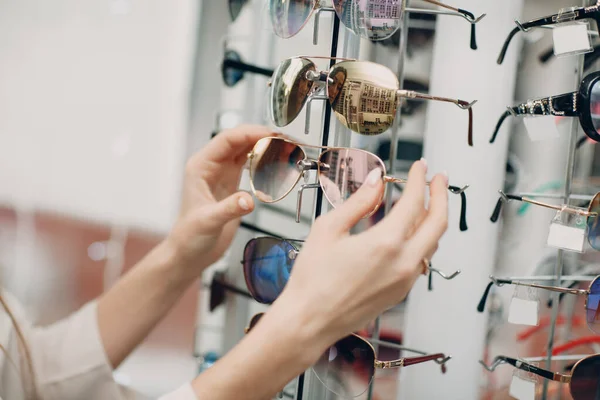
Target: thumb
[235,206]
[362,203]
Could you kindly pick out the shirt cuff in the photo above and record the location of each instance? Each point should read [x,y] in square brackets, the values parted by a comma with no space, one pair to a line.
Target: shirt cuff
[183,393]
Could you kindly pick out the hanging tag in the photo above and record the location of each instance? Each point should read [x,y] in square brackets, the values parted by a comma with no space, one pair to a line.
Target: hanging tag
[568,231]
[572,38]
[522,386]
[541,127]
[524,307]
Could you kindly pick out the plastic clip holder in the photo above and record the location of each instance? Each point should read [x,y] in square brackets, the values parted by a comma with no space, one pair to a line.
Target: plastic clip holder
[568,230]
[524,307]
[522,385]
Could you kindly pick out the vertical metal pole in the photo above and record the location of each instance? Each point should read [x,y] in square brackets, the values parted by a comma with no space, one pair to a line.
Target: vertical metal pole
[560,258]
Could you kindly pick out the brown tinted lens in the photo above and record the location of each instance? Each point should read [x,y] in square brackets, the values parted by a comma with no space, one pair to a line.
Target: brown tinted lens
[585,381]
[347,367]
[371,19]
[363,96]
[274,168]
[343,171]
[290,89]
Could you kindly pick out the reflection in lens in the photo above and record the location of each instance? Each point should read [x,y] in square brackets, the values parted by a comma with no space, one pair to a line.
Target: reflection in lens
[290,89]
[231,76]
[347,367]
[592,309]
[595,106]
[585,381]
[593,223]
[274,168]
[268,263]
[371,19]
[289,16]
[343,171]
[363,96]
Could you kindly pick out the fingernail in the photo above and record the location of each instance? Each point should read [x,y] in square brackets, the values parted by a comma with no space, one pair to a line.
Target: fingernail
[424,161]
[374,177]
[243,204]
[445,174]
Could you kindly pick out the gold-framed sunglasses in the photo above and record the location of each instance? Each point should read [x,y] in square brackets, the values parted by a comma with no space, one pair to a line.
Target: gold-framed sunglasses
[347,367]
[276,165]
[591,214]
[364,95]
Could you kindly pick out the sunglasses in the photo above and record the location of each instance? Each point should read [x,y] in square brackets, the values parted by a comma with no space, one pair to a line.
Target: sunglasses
[364,96]
[276,165]
[593,225]
[592,300]
[584,104]
[374,20]
[235,8]
[219,288]
[233,68]
[343,367]
[584,381]
[575,14]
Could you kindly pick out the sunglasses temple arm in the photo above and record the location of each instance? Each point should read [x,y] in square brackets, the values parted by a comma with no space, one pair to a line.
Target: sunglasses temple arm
[560,296]
[506,114]
[509,38]
[234,289]
[254,228]
[439,358]
[247,67]
[523,366]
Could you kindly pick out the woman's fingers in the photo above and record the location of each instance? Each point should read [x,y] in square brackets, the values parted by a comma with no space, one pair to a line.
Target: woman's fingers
[231,143]
[359,205]
[216,215]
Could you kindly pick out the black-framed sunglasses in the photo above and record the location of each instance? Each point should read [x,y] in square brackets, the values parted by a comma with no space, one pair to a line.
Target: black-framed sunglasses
[576,14]
[219,288]
[584,104]
[235,8]
[233,68]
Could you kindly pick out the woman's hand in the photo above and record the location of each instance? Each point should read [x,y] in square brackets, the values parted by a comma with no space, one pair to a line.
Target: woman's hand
[340,282]
[211,205]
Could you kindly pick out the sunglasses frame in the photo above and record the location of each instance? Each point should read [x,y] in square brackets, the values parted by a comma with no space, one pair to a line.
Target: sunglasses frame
[573,104]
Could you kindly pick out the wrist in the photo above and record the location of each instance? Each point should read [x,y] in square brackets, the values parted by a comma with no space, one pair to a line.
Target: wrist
[169,262]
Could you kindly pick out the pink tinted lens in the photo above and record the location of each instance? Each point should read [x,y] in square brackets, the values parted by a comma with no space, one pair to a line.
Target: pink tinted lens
[289,16]
[343,171]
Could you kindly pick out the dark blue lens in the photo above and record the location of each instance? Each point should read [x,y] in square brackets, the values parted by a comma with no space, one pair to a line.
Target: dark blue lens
[268,263]
[592,309]
[231,75]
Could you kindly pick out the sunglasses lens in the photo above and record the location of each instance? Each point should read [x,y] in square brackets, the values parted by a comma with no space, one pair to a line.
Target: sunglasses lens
[375,20]
[343,171]
[363,96]
[235,8]
[592,307]
[289,16]
[231,76]
[290,89]
[217,291]
[268,263]
[593,223]
[274,168]
[347,367]
[585,381]
[595,105]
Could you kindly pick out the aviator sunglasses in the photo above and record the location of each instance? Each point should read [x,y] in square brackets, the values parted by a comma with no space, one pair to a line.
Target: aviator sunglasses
[276,165]
[584,381]
[591,214]
[584,104]
[344,366]
[592,297]
[371,19]
[364,95]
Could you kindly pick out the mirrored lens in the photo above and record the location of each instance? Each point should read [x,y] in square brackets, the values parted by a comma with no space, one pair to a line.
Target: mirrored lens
[343,171]
[595,106]
[268,263]
[371,19]
[231,76]
[347,367]
[593,223]
[289,16]
[592,308]
[363,96]
[274,168]
[585,379]
[235,8]
[290,89]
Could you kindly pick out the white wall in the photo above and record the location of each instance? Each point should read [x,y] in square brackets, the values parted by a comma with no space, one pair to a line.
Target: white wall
[93,107]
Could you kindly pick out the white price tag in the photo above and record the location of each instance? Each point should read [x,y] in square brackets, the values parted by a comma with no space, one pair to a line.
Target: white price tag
[523,312]
[541,127]
[566,237]
[522,389]
[572,38]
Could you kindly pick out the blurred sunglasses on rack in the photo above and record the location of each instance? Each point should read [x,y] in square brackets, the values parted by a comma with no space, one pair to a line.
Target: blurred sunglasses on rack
[592,297]
[574,14]
[584,104]
[584,380]
[219,288]
[591,214]
[347,368]
[233,68]
[268,263]
[371,19]
[235,8]
[364,96]
[589,59]
[277,164]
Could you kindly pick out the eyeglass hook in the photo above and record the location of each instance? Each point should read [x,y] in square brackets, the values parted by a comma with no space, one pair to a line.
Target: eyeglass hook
[496,281]
[476,20]
[443,360]
[465,105]
[443,275]
[457,190]
[521,27]
[492,368]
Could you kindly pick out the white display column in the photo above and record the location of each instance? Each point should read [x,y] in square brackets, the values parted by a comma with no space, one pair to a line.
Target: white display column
[446,320]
